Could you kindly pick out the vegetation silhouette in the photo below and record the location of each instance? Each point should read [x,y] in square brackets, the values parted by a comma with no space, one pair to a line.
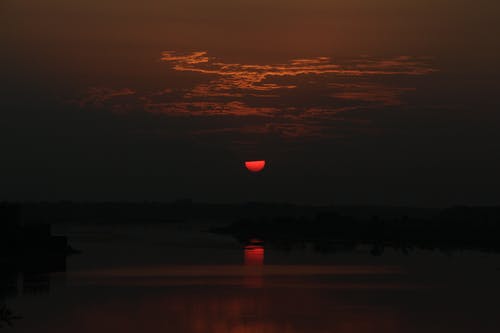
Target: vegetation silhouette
[457,228]
[7,316]
[26,226]
[28,252]
[28,246]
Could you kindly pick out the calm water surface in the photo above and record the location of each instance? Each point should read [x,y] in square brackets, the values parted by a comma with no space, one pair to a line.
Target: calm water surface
[177,278]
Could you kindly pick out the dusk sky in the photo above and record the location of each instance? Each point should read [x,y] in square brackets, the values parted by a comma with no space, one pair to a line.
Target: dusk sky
[392,102]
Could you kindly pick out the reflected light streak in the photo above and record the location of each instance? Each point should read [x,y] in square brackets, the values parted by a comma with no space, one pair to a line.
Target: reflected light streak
[254,255]
[254,260]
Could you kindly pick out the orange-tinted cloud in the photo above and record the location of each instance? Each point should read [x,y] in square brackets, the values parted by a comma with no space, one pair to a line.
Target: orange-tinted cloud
[258,77]
[210,109]
[369,92]
[98,96]
[301,98]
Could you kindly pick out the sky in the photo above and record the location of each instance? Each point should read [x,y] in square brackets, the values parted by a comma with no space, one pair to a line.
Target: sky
[349,102]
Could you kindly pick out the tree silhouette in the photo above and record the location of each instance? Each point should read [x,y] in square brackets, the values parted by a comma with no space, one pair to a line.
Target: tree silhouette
[7,316]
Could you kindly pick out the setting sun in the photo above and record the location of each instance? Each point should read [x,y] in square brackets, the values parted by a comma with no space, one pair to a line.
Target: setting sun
[255,166]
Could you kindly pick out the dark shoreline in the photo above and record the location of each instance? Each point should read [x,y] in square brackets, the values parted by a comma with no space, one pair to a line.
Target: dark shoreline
[26,226]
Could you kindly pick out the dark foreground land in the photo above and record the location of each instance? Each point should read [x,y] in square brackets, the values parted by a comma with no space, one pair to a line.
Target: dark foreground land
[459,228]
[25,228]
[153,266]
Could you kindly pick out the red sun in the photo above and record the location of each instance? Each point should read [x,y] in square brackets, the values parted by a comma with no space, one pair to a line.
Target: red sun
[255,166]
